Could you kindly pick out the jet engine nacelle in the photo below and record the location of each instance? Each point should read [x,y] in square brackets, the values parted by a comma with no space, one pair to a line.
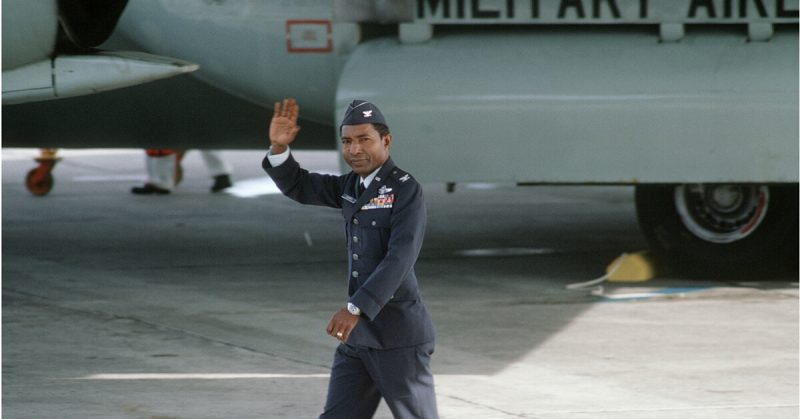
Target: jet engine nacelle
[31,28]
[47,51]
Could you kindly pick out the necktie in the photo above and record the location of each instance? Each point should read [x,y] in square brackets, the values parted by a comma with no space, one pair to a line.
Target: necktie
[361,189]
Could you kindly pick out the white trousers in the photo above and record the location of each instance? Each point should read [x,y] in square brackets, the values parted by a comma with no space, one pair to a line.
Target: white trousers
[161,170]
[214,163]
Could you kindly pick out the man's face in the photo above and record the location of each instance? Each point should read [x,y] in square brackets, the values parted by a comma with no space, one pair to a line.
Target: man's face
[363,148]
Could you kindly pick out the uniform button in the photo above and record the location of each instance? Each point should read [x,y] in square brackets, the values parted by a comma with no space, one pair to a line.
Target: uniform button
[355,274]
[355,221]
[374,223]
[355,239]
[355,256]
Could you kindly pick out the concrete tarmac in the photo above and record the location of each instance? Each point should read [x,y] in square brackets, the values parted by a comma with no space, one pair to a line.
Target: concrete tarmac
[200,305]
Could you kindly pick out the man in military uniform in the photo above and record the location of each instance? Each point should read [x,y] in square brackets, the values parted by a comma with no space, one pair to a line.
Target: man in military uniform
[385,331]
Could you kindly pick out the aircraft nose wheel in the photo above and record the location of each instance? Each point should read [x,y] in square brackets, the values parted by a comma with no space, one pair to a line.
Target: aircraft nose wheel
[39,180]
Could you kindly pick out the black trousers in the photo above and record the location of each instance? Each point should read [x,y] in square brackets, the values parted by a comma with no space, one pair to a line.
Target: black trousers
[361,376]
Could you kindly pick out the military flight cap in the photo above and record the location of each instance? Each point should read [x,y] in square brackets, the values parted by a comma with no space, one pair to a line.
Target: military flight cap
[363,112]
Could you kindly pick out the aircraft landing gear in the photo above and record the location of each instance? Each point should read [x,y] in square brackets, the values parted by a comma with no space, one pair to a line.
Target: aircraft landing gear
[40,179]
[721,230]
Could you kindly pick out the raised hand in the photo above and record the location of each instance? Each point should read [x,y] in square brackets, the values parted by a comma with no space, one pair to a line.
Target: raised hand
[283,128]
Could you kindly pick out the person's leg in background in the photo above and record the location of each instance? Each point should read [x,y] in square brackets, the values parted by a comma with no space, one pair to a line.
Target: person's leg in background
[218,169]
[160,164]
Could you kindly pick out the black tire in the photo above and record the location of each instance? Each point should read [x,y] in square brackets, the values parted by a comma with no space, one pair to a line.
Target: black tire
[767,249]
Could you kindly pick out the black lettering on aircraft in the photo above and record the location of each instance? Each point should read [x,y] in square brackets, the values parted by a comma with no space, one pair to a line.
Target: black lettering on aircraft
[577,4]
[577,9]
[780,10]
[727,8]
[580,11]
[696,4]
[612,4]
[478,13]
[762,11]
[433,6]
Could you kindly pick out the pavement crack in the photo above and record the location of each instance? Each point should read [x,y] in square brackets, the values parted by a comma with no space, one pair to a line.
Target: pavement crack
[485,406]
[38,299]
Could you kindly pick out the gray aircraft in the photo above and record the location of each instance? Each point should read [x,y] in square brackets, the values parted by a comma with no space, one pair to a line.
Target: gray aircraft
[692,101]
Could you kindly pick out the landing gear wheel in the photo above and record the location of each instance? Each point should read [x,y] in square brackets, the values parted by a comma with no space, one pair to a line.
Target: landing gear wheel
[715,230]
[39,181]
[39,184]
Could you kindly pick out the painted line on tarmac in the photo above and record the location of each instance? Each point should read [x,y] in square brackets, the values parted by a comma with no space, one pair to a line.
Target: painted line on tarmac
[673,409]
[225,376]
[652,294]
[196,376]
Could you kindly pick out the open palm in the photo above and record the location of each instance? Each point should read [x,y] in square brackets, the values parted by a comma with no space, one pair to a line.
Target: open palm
[283,128]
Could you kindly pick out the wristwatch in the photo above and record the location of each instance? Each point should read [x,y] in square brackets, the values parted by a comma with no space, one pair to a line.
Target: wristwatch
[353,309]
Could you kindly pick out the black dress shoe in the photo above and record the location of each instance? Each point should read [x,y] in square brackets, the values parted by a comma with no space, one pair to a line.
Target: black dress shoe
[149,189]
[221,182]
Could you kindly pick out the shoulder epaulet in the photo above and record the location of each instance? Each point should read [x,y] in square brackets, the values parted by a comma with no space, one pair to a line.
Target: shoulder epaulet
[400,175]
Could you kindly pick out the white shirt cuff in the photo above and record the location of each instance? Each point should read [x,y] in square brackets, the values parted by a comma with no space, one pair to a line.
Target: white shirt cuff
[277,159]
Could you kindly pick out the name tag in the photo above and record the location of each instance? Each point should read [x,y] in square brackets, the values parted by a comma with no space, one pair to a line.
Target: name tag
[379,202]
[349,198]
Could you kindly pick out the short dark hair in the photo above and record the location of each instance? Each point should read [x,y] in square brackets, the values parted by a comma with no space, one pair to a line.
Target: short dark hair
[382,129]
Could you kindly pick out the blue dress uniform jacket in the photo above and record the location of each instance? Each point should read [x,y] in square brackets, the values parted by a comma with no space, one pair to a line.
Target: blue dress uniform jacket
[384,227]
